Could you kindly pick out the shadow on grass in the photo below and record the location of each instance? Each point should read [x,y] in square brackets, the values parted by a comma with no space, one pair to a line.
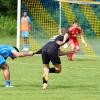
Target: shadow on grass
[29,86]
[22,87]
[73,86]
[2,85]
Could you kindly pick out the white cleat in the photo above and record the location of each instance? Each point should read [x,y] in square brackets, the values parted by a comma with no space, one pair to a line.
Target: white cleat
[25,49]
[45,85]
[7,86]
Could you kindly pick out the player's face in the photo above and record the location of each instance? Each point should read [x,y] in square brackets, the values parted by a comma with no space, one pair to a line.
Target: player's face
[12,56]
[64,30]
[25,13]
[75,25]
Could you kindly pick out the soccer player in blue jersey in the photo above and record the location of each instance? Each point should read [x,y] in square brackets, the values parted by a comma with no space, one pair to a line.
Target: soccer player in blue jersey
[12,52]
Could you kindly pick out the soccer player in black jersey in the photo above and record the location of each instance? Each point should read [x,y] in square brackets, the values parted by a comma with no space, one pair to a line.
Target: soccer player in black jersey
[50,53]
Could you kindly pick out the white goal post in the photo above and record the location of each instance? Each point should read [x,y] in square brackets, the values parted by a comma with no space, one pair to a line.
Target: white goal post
[37,19]
[18,23]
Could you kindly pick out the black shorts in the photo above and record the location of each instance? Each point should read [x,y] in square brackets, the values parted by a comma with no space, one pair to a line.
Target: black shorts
[50,55]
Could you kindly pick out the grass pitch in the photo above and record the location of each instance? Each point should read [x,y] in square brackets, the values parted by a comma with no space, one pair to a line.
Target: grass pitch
[79,80]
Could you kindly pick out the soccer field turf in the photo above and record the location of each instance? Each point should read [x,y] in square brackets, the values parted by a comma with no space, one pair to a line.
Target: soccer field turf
[79,80]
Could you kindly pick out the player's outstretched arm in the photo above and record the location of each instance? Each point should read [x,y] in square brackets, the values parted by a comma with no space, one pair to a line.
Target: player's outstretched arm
[38,52]
[64,40]
[83,40]
[22,54]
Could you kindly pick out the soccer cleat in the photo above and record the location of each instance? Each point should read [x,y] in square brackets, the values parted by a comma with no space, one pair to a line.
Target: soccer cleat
[45,85]
[9,86]
[25,49]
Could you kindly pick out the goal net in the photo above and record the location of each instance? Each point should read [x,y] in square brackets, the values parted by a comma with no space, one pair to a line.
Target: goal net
[48,16]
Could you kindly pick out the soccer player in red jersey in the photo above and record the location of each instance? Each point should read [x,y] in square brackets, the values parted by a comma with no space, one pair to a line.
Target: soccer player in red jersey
[74,30]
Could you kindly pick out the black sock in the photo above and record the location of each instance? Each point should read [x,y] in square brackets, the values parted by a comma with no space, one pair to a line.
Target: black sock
[39,51]
[52,70]
[44,80]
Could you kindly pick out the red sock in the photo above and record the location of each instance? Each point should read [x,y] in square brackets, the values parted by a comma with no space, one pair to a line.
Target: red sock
[70,54]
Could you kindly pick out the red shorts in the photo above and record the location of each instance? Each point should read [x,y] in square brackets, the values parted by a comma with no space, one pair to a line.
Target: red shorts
[74,41]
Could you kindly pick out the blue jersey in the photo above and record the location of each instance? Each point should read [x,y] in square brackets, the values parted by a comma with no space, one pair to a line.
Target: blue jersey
[5,51]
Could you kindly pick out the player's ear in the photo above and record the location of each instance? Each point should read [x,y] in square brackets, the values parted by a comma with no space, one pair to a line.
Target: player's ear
[67,31]
[14,52]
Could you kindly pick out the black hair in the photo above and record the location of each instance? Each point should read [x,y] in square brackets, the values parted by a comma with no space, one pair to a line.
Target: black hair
[25,12]
[16,49]
[67,31]
[75,21]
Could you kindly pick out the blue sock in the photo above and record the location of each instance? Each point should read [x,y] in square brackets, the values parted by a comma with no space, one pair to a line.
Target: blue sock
[25,45]
[8,82]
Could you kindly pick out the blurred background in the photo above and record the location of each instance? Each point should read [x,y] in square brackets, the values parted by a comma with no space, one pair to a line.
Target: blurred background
[47,16]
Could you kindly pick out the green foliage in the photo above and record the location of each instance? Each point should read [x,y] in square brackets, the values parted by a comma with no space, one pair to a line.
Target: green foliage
[8,17]
[8,7]
[7,26]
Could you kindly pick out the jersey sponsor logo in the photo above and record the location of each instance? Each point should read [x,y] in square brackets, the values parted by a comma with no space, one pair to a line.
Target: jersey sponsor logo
[53,38]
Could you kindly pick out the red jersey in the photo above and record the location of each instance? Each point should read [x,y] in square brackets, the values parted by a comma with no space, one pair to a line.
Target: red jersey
[74,31]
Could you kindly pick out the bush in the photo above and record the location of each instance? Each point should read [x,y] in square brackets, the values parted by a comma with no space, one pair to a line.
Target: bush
[7,26]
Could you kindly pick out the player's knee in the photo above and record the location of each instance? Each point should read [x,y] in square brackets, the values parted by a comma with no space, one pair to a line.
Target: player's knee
[46,70]
[77,49]
[4,66]
[58,70]
[73,48]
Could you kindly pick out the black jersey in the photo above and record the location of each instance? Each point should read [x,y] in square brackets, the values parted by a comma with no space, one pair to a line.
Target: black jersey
[50,50]
[52,41]
[51,44]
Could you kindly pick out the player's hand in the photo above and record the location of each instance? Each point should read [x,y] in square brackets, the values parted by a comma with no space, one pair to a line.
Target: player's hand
[65,45]
[30,53]
[33,54]
[83,41]
[85,44]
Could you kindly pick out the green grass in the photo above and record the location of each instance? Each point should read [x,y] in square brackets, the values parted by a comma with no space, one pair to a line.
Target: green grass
[9,41]
[79,80]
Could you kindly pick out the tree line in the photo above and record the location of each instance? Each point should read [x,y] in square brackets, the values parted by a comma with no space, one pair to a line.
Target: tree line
[8,7]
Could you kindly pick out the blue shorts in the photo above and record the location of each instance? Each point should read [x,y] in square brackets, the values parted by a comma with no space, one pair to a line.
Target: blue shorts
[2,60]
[25,33]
